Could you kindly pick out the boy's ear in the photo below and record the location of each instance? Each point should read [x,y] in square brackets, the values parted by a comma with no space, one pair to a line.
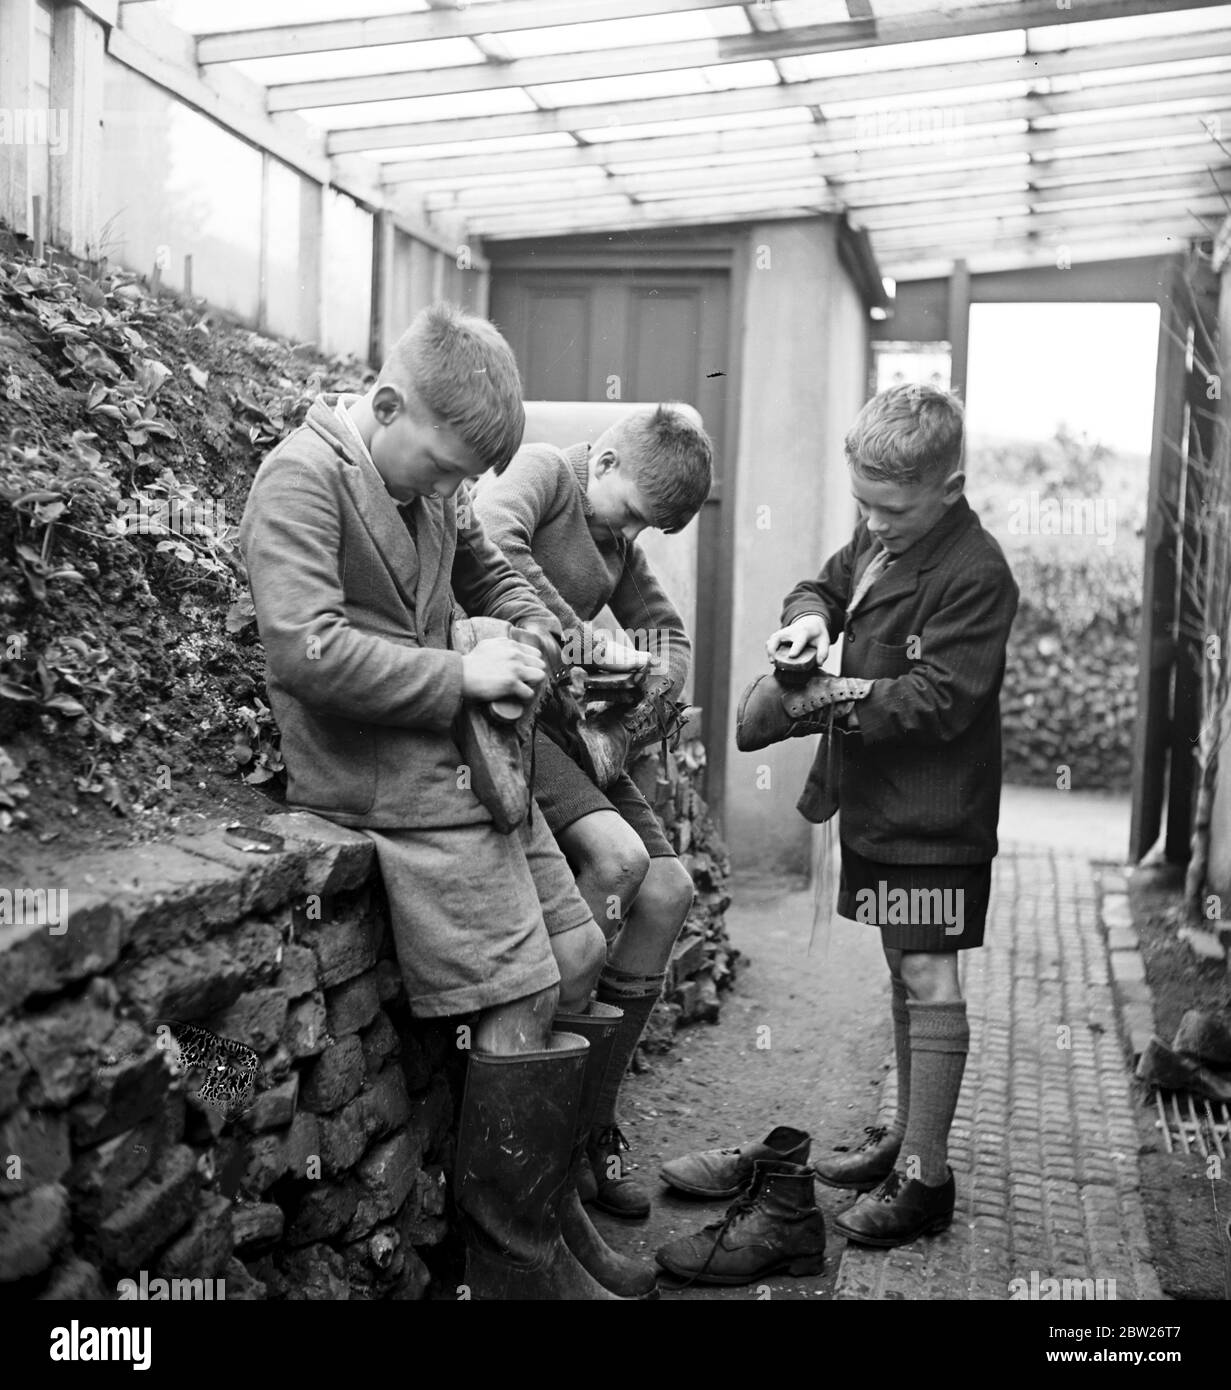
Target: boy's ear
[388,402]
[955,483]
[605,460]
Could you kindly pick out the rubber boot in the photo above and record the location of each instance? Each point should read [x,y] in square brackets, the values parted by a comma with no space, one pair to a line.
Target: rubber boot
[515,1142]
[628,1278]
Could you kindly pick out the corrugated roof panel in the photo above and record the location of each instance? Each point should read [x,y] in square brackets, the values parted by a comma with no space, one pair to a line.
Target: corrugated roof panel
[216,16]
[969,48]
[496,146]
[788,116]
[727,76]
[635,87]
[1145,26]
[360,62]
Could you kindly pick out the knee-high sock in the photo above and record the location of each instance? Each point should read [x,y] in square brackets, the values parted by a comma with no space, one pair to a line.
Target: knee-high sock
[636,995]
[939,1042]
[901,1046]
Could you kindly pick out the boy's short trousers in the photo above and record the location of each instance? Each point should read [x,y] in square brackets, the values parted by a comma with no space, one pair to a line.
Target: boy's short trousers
[918,907]
[565,794]
[473,912]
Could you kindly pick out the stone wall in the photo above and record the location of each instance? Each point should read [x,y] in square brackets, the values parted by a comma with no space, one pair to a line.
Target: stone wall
[331,1184]
[331,1181]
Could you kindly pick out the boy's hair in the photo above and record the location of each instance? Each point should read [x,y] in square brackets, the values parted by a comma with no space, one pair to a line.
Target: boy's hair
[907,434]
[462,370]
[670,459]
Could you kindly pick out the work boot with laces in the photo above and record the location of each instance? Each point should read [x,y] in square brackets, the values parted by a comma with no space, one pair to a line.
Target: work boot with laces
[898,1211]
[614,1191]
[776,1225]
[863,1167]
[718,1173]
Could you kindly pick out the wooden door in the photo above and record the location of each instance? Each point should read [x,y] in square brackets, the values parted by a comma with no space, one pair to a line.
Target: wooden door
[642,335]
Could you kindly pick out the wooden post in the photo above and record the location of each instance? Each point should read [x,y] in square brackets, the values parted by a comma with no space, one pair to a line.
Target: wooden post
[16,91]
[383,240]
[36,225]
[262,300]
[78,53]
[311,285]
[188,276]
[959,326]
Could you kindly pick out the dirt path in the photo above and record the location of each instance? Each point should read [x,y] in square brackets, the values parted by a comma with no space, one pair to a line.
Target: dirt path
[827,1015]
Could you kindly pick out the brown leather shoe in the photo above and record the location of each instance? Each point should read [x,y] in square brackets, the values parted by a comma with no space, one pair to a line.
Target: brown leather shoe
[863,1167]
[718,1173]
[900,1210]
[775,1226]
[769,712]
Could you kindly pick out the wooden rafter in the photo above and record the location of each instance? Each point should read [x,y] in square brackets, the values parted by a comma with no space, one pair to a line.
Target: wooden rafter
[325,36]
[738,48]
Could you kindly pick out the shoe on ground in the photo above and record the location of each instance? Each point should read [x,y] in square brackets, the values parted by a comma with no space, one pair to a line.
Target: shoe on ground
[864,1166]
[1172,1071]
[1205,1036]
[775,1226]
[615,1191]
[899,1211]
[723,1173]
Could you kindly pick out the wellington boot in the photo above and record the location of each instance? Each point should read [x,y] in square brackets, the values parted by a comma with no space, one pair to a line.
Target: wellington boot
[515,1143]
[623,1276]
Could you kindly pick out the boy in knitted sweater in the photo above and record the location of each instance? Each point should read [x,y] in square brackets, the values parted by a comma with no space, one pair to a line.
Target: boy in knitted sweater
[568,521]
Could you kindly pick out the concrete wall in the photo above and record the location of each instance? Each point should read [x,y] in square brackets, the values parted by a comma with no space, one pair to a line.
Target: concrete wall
[804,353]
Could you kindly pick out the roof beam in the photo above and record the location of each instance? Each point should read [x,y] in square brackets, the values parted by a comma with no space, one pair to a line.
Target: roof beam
[741,101]
[1179,218]
[462,170]
[1022,253]
[735,48]
[463,21]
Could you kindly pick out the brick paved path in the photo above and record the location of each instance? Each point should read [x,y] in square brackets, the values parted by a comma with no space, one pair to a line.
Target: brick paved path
[1044,1145]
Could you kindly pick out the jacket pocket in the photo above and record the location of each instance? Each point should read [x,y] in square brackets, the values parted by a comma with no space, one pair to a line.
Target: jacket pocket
[331,763]
[886,659]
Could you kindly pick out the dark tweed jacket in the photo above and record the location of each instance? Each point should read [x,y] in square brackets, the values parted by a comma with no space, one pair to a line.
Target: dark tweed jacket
[920,781]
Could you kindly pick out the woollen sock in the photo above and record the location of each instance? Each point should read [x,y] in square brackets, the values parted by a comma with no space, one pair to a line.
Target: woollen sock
[901,1046]
[939,1043]
[636,995]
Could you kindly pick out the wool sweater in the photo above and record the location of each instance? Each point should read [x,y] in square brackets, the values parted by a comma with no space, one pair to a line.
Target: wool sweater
[538,513]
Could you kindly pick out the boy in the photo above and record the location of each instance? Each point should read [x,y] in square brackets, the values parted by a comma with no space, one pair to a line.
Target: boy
[355,550]
[568,521]
[924,599]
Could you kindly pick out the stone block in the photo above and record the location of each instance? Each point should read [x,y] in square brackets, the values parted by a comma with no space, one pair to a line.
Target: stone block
[352,1005]
[305,1033]
[297,973]
[34,1151]
[132,1082]
[62,1048]
[33,1227]
[204,1250]
[76,1281]
[257,1226]
[188,983]
[344,1137]
[339,859]
[35,962]
[325,1211]
[335,1077]
[344,948]
[315,1274]
[389,983]
[274,1108]
[265,1161]
[157,1210]
[241,1285]
[380,1041]
[263,880]
[303,1145]
[255,1019]
[386,1177]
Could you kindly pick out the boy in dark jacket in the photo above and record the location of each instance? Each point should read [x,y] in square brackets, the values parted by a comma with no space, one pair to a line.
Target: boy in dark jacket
[924,600]
[568,520]
[360,563]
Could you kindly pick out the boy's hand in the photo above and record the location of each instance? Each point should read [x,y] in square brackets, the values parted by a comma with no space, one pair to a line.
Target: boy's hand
[808,631]
[498,669]
[609,655]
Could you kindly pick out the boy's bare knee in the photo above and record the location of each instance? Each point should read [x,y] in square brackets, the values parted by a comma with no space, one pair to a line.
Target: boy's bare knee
[674,883]
[580,955]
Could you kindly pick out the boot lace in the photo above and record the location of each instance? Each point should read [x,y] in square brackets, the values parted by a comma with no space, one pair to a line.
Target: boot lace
[610,1140]
[875,1134]
[739,1210]
[889,1189]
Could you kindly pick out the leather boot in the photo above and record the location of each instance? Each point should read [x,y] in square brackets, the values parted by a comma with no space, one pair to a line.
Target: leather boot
[863,1167]
[1206,1036]
[628,1278]
[1172,1071]
[776,1225]
[514,1145]
[900,1210]
[770,712]
[717,1173]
